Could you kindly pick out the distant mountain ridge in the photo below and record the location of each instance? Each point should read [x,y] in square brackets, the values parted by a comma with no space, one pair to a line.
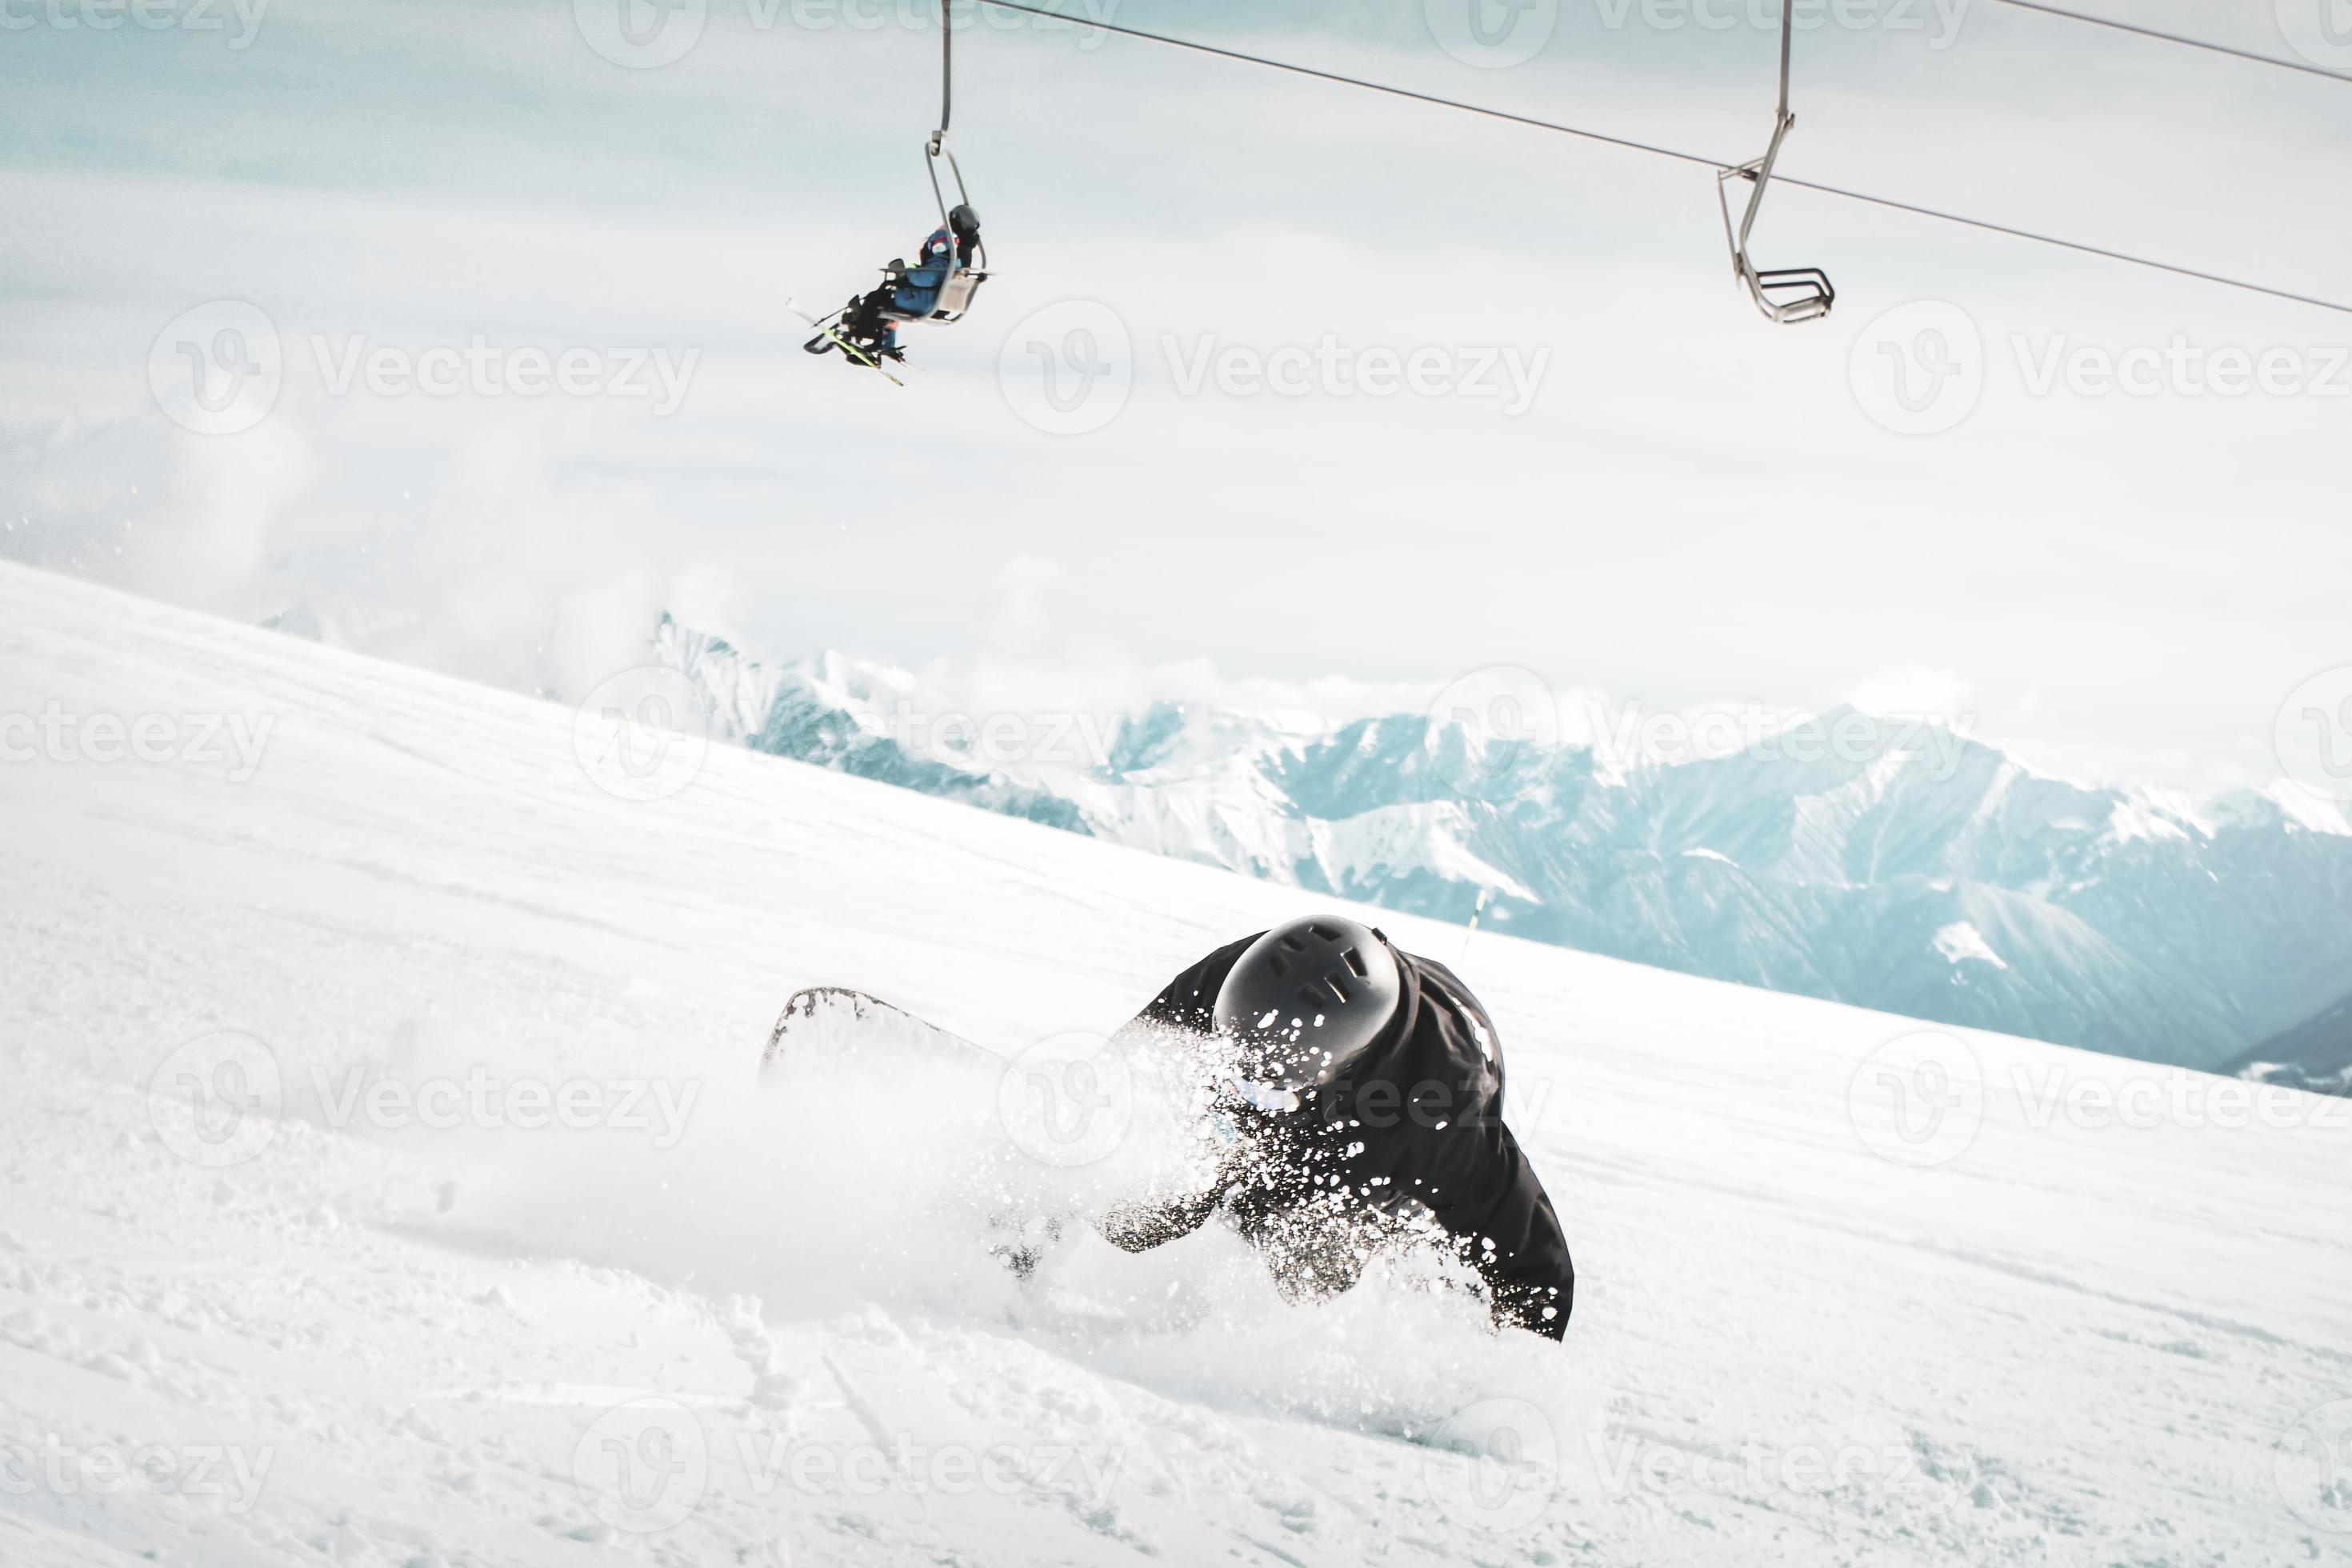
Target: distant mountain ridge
[2316,1054]
[1951,884]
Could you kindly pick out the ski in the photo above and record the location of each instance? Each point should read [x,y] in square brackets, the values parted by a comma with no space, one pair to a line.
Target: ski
[858,354]
[825,332]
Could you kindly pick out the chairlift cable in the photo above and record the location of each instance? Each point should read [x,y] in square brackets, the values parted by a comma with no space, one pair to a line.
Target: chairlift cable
[1678,155]
[2208,46]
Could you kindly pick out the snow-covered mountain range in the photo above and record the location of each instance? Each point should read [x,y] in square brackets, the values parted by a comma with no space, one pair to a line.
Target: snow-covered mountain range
[1857,859]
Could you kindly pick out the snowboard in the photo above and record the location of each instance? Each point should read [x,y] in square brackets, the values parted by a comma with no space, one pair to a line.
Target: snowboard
[835,1022]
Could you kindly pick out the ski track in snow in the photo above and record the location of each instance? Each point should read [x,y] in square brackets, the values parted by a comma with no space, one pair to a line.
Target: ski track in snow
[2069,1344]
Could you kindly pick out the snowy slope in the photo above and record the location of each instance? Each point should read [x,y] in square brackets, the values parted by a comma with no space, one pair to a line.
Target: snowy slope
[763,1330]
[1839,862]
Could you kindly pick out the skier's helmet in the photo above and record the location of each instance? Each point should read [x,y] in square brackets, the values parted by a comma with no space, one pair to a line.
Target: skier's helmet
[1304,1000]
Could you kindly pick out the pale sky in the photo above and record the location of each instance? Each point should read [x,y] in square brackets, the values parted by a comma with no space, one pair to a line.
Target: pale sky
[1674,501]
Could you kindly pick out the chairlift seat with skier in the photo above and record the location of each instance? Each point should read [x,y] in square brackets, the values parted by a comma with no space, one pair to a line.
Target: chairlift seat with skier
[949,269]
[940,286]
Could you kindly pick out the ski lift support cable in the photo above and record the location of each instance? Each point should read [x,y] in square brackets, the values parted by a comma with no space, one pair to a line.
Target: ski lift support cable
[1654,149]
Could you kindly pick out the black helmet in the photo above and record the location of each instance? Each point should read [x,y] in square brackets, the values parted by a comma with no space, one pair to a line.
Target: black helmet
[1307,997]
[963,221]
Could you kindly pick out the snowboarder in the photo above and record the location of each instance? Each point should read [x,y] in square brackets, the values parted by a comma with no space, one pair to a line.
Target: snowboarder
[1359,1096]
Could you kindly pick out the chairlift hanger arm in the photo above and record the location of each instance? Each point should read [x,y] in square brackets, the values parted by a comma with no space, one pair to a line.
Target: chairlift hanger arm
[1784,294]
[936,148]
[946,71]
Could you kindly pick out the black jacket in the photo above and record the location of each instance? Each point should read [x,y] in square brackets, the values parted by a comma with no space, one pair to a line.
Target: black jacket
[1417,1122]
